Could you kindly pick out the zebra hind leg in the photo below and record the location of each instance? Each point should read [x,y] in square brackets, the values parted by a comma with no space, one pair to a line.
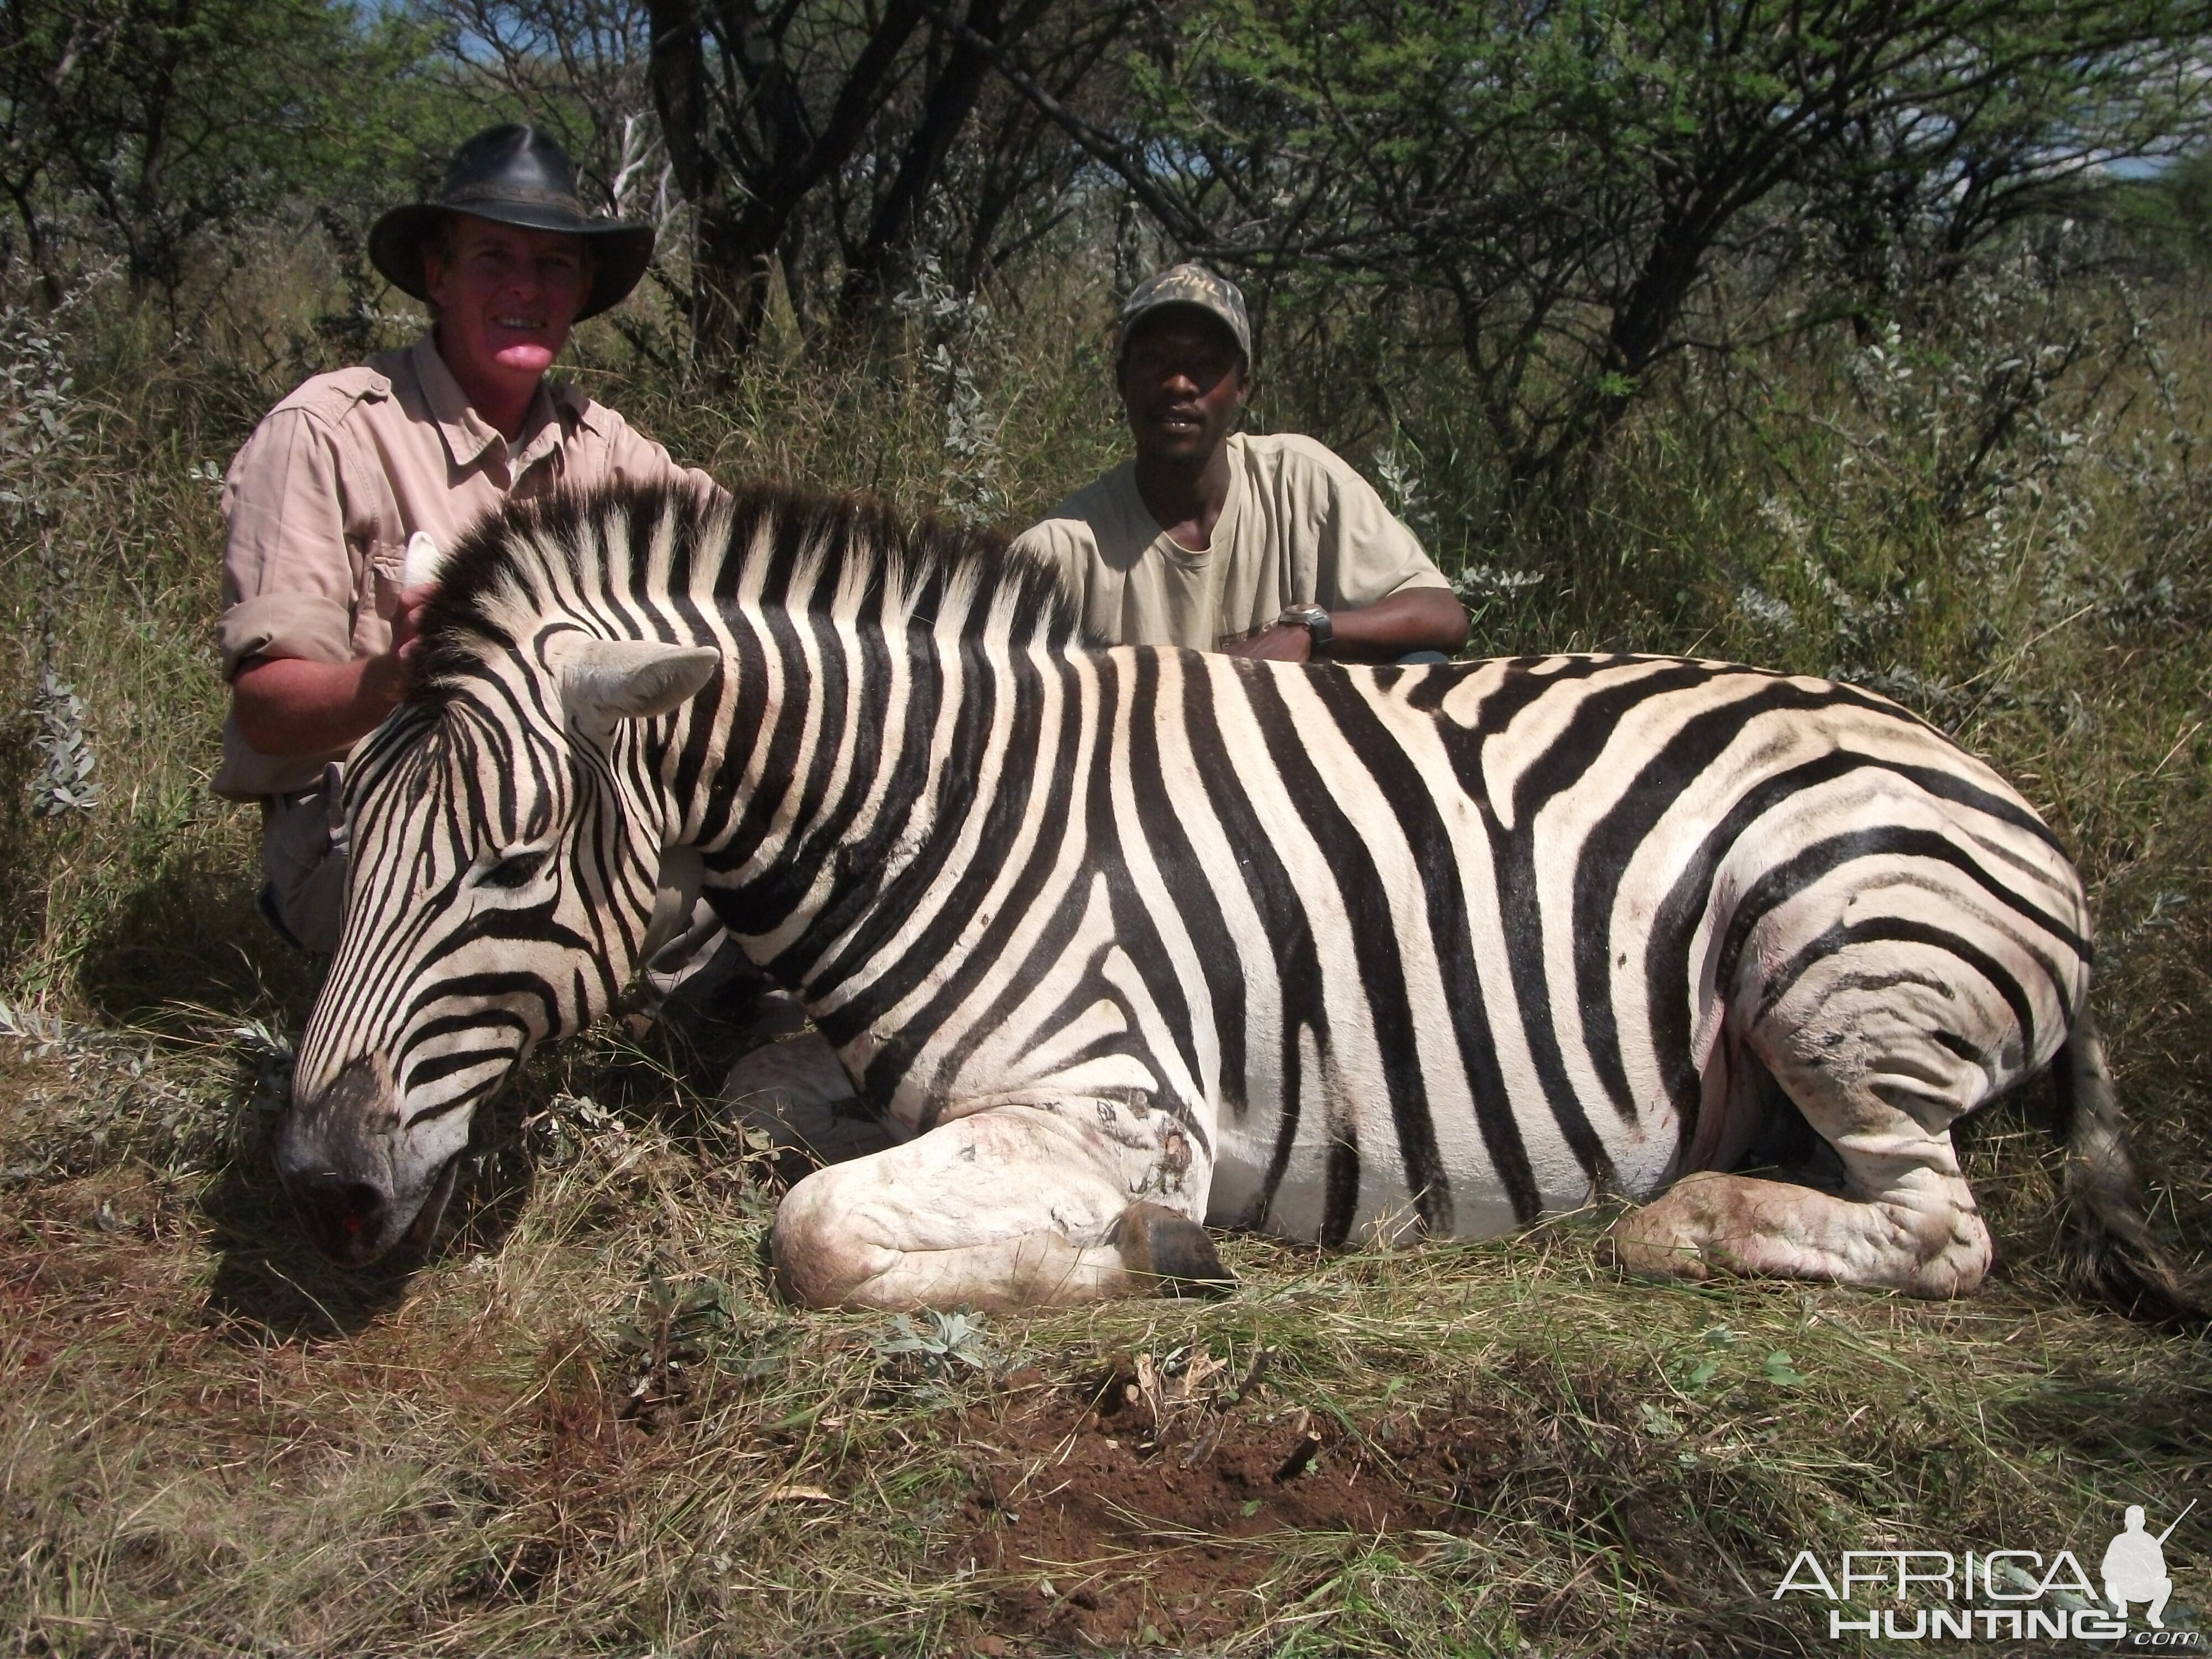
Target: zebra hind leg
[1883,1094]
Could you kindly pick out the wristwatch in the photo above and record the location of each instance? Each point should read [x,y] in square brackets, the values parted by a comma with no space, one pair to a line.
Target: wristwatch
[1314,620]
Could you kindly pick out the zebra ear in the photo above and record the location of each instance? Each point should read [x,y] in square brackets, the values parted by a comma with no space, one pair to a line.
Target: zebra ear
[423,560]
[605,682]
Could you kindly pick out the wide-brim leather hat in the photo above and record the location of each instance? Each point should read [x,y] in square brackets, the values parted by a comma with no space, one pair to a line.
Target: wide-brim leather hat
[513,175]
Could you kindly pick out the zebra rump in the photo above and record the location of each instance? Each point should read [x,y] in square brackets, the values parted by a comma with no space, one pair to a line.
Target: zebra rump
[1115,941]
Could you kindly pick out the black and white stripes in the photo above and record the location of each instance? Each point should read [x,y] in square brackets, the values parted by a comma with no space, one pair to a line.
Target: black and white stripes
[1335,952]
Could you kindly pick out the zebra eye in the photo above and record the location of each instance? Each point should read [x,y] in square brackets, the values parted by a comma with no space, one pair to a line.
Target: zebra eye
[515,869]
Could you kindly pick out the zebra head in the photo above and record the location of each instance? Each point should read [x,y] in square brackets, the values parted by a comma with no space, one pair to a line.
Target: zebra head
[506,834]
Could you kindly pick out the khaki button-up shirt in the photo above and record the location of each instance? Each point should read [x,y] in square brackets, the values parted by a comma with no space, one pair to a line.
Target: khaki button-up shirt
[326,494]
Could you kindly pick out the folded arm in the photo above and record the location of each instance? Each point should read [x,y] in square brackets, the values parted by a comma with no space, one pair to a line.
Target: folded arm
[1413,619]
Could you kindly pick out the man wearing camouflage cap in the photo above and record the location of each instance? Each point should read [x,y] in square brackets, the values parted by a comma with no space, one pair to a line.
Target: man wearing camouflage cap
[1266,547]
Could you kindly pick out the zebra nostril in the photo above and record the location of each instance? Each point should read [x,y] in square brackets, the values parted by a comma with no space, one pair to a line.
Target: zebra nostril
[342,1217]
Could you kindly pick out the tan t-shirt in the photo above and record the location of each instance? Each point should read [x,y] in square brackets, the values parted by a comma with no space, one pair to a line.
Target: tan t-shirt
[1299,527]
[325,494]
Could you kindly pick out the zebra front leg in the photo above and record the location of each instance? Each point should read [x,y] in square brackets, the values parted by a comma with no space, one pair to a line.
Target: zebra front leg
[1012,1206]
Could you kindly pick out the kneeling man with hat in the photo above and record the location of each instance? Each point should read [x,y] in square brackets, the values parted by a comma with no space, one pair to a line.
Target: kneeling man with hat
[319,620]
[1265,547]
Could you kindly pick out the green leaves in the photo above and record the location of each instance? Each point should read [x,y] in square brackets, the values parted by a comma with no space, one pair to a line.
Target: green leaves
[1703,1369]
[671,1335]
[64,781]
[1561,180]
[159,123]
[943,1340]
[1713,1362]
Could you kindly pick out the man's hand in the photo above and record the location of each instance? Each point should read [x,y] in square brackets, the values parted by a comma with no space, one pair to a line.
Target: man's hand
[289,706]
[407,621]
[1281,643]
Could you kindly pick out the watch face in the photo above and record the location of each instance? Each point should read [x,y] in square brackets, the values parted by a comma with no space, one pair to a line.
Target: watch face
[1314,619]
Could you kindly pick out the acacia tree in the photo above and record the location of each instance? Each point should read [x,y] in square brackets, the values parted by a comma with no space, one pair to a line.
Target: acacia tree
[811,138]
[579,68]
[1561,176]
[971,167]
[162,119]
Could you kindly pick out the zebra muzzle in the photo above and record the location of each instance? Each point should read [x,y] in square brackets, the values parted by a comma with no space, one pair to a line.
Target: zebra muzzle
[357,1184]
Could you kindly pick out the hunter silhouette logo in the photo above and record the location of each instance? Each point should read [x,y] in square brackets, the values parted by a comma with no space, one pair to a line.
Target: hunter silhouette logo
[2000,1594]
[2135,1567]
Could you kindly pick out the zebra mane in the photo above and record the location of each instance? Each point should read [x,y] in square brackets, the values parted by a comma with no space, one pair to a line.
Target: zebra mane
[819,554]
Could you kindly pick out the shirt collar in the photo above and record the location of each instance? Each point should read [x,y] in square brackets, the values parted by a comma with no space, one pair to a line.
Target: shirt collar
[1225,527]
[554,409]
[558,410]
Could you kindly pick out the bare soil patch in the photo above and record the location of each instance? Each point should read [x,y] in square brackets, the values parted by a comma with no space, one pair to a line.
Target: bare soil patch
[1138,1507]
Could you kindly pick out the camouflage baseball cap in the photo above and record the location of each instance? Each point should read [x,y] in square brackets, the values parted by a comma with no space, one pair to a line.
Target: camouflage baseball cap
[1190,285]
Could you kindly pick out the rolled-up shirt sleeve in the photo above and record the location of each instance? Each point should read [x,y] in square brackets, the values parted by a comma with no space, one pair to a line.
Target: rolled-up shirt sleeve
[1369,554]
[289,582]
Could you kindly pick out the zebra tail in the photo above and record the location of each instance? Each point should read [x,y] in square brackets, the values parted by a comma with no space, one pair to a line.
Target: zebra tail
[2109,1255]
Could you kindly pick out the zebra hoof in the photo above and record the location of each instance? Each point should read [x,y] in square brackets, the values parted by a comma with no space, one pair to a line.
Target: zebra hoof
[1635,1257]
[1171,1252]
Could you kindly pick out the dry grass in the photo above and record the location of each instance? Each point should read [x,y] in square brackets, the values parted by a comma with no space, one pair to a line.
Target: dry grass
[584,1423]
